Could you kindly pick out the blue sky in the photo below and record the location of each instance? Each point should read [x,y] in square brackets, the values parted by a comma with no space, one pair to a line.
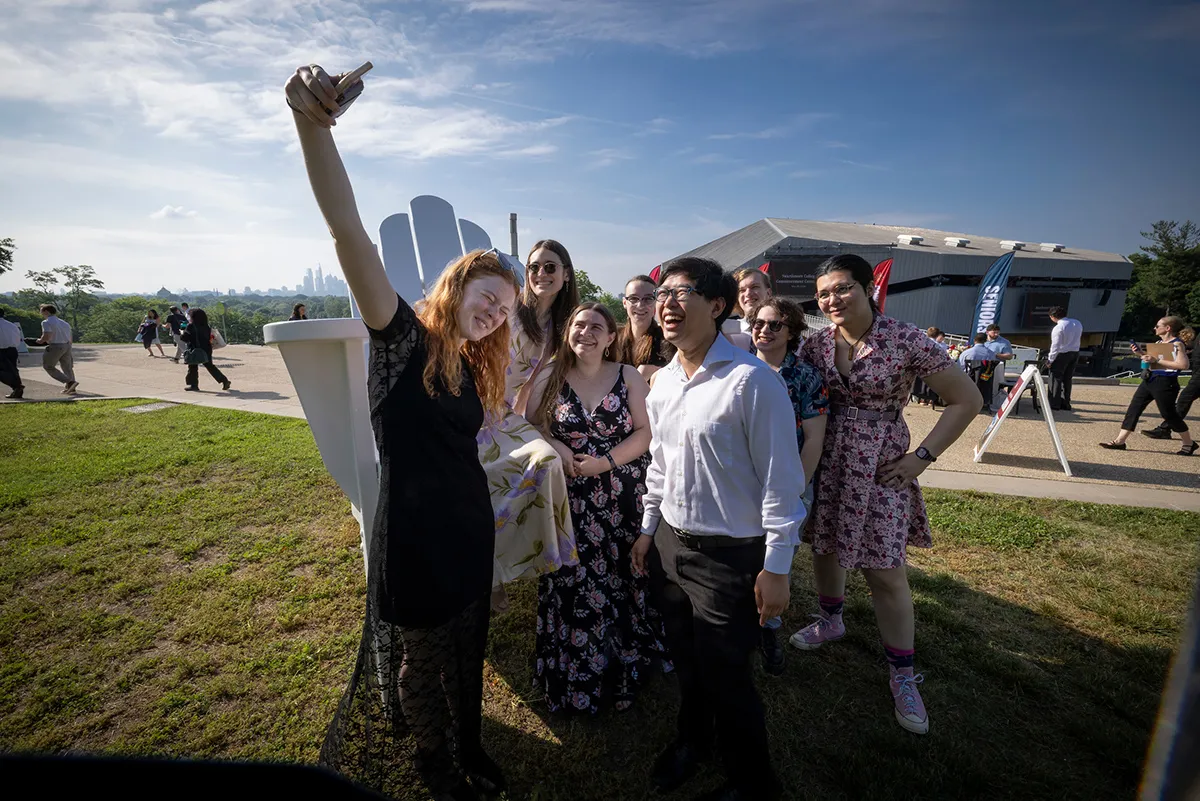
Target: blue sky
[150,139]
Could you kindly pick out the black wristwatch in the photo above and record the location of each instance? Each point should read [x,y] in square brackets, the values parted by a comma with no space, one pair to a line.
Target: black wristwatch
[924,454]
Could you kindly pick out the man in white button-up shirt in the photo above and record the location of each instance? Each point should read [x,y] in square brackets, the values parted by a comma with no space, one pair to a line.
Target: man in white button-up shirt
[10,338]
[722,517]
[1064,355]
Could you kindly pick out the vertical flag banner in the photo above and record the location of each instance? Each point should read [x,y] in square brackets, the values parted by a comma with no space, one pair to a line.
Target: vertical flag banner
[883,271]
[991,294]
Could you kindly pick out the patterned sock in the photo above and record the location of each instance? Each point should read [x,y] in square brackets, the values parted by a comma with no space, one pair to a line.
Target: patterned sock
[899,658]
[831,605]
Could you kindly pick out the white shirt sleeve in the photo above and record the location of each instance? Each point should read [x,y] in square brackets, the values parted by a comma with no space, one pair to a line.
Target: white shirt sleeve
[655,480]
[1056,340]
[767,414]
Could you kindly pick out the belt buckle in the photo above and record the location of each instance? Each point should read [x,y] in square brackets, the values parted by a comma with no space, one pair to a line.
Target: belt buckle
[851,412]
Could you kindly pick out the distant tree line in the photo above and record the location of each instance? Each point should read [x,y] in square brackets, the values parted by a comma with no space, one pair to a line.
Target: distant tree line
[96,318]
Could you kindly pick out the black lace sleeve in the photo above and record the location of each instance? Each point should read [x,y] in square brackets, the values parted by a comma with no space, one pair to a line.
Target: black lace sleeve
[390,351]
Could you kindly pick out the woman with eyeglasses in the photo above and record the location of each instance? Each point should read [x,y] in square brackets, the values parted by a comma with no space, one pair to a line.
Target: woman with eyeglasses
[1160,384]
[434,371]
[527,475]
[868,506]
[641,341]
[777,326]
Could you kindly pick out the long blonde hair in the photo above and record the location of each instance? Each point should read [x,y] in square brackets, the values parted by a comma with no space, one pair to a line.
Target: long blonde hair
[489,357]
[565,358]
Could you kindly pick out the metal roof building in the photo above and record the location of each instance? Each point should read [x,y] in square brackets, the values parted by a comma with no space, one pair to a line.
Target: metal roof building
[935,274]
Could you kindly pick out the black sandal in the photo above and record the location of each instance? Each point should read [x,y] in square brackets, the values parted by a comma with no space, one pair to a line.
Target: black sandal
[1188,450]
[1113,445]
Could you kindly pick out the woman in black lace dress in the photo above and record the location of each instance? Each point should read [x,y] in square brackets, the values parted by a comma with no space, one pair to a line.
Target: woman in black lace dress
[418,679]
[594,624]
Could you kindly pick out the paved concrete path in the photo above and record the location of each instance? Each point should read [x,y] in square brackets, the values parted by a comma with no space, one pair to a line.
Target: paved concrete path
[1020,461]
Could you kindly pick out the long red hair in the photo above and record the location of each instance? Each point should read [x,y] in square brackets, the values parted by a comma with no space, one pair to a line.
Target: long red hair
[489,357]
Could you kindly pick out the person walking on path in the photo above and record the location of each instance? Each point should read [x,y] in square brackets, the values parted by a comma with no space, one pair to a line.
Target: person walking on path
[1064,355]
[641,342]
[1187,395]
[56,336]
[433,375]
[199,338]
[720,528]
[778,325]
[148,333]
[1160,384]
[10,337]
[177,321]
[869,507]
[594,623]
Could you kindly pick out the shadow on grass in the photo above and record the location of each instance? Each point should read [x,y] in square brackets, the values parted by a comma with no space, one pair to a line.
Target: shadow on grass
[1127,474]
[1021,706]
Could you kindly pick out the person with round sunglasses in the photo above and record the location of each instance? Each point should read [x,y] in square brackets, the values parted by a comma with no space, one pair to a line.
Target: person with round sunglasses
[777,326]
[868,507]
[527,475]
[640,341]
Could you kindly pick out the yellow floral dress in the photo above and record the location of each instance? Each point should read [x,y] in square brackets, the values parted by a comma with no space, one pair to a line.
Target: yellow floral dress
[534,534]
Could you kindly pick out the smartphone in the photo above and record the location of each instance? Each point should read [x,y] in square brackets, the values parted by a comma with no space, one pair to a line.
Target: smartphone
[1135,346]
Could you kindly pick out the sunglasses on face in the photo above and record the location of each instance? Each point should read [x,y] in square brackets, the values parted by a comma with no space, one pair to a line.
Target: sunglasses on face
[841,290]
[775,325]
[549,268]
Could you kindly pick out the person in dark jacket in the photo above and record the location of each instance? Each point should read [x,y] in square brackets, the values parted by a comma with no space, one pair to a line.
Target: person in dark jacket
[148,333]
[199,337]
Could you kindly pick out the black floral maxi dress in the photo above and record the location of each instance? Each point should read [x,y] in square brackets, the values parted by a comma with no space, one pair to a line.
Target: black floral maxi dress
[594,619]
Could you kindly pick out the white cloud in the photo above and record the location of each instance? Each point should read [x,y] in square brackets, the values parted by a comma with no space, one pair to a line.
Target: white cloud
[795,124]
[174,213]
[608,156]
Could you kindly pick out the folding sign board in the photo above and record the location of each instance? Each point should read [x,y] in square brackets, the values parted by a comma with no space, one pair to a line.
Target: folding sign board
[1030,376]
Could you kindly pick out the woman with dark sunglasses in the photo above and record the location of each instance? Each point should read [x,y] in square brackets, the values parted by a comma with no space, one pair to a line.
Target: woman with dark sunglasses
[527,475]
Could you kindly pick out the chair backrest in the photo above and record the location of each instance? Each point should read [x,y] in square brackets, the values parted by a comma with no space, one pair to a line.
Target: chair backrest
[416,247]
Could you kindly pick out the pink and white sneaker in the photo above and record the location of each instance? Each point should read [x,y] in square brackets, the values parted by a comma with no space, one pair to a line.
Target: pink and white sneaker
[826,628]
[910,709]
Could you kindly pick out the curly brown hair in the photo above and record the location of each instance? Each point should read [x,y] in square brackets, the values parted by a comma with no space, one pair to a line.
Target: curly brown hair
[793,318]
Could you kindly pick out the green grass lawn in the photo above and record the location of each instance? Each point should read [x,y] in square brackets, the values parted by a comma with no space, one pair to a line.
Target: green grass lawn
[188,582]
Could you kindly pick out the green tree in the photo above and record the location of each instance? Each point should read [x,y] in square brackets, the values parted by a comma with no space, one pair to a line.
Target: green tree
[45,284]
[6,254]
[116,320]
[589,292]
[1166,276]
[78,280]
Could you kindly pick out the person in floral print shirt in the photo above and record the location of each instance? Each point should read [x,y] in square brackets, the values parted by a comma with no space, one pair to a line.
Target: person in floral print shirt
[776,326]
[868,504]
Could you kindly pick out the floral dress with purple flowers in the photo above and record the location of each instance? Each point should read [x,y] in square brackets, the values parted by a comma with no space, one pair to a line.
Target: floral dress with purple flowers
[594,620]
[865,523]
[526,481]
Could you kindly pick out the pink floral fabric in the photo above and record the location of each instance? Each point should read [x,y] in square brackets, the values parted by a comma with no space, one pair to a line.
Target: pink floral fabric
[865,524]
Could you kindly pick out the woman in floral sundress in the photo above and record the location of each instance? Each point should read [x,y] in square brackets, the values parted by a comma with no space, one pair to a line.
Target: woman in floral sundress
[868,504]
[526,477]
[594,623]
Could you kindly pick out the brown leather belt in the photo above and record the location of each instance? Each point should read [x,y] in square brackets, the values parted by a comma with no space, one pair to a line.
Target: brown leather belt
[709,542]
[855,413]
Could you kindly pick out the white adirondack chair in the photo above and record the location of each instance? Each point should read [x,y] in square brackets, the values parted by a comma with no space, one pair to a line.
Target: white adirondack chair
[327,359]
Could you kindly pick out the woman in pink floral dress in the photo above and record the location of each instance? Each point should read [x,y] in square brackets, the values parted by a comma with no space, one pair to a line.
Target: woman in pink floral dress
[868,503]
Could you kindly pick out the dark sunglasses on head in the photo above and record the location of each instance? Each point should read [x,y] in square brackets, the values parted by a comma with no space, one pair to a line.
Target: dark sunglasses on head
[774,325]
